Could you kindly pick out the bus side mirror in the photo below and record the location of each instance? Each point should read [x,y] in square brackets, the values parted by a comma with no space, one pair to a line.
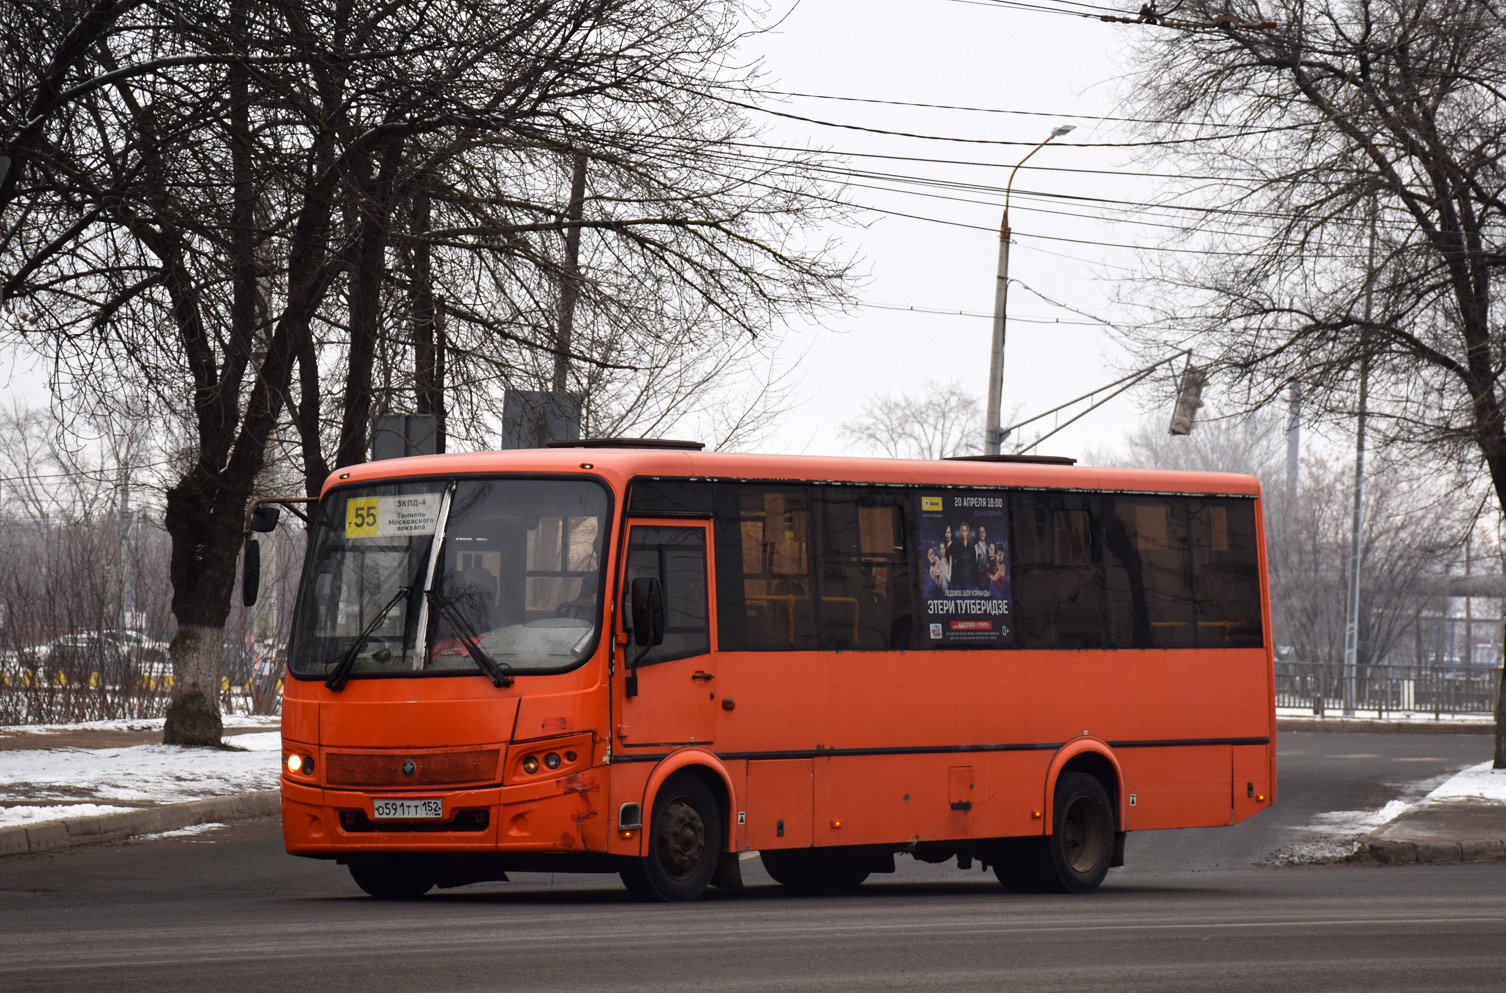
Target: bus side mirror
[646,600]
[251,577]
[264,518]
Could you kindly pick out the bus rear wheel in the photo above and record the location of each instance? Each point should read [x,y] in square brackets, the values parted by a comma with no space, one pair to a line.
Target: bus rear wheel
[393,877]
[684,842]
[1076,856]
[814,869]
[1081,845]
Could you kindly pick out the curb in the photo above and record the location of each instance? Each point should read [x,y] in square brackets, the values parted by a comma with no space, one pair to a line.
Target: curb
[29,839]
[1398,851]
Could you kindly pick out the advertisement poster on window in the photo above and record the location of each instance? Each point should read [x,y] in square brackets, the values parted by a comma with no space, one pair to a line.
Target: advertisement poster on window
[964,569]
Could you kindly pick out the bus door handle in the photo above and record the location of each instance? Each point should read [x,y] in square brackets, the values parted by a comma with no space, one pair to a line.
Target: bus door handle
[704,677]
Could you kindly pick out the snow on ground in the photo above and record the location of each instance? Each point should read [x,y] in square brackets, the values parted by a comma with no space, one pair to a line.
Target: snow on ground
[1477,783]
[44,783]
[1371,716]
[1336,834]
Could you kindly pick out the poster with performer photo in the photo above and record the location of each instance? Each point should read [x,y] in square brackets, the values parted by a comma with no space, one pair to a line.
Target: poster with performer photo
[964,568]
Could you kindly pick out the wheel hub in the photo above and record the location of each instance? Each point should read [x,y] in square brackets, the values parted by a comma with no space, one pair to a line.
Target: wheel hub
[682,840]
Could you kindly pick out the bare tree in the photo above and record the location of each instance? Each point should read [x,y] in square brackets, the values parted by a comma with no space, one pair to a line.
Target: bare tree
[235,217]
[1345,180]
[82,565]
[941,421]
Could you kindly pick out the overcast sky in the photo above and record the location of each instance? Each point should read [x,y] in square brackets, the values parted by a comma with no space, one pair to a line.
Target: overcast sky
[931,243]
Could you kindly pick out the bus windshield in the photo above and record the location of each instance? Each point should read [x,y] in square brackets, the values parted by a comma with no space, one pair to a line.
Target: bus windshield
[517,574]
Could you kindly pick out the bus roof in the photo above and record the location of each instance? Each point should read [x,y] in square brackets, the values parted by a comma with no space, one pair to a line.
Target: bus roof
[621,464]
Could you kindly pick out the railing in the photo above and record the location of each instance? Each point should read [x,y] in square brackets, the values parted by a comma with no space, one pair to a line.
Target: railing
[43,694]
[1384,689]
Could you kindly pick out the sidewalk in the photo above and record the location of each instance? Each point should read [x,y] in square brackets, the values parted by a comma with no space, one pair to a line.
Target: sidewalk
[1440,831]
[86,784]
[1464,820]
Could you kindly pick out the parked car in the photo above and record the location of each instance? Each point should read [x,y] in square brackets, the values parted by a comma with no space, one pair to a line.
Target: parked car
[114,657]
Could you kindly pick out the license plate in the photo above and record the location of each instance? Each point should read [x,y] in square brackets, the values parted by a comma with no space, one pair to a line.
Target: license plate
[407,810]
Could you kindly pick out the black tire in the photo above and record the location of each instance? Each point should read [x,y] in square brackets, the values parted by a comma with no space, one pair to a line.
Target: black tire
[1075,857]
[394,877]
[815,870]
[1081,844]
[684,842]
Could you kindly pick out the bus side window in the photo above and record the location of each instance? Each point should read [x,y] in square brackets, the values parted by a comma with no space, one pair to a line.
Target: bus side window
[1226,566]
[867,599]
[675,556]
[1058,582]
[766,596]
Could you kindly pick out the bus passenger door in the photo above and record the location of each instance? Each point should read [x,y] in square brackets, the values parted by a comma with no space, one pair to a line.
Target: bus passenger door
[675,698]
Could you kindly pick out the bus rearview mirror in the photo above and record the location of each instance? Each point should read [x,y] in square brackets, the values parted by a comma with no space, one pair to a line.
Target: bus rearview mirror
[251,576]
[264,518]
[646,602]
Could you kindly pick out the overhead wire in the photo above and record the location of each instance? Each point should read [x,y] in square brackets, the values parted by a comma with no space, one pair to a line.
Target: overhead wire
[1029,195]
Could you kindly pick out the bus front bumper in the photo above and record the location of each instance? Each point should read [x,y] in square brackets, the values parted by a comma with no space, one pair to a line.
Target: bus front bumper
[562,816]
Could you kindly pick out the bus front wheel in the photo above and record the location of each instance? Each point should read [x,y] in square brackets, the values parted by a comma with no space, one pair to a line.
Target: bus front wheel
[393,877]
[685,837]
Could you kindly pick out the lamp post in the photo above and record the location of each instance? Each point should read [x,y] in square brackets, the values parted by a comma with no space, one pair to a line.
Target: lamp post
[994,436]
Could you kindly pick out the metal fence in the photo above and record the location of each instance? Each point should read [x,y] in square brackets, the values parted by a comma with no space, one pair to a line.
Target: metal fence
[1387,689]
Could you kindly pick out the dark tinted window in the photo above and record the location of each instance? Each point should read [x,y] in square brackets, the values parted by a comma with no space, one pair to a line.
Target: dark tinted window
[809,567]
[677,558]
[1058,575]
[764,584]
[805,566]
[1181,572]
[867,595]
[1226,561]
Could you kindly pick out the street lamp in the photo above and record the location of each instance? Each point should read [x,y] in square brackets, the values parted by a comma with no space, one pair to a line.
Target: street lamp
[994,436]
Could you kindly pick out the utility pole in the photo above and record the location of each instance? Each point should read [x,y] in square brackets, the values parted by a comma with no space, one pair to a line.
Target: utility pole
[993,436]
[1293,443]
[1352,614]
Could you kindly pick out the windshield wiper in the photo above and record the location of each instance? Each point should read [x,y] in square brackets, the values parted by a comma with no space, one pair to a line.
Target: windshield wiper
[336,679]
[499,673]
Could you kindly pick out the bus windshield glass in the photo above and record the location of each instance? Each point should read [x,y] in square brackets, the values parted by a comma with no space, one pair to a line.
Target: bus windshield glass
[516,579]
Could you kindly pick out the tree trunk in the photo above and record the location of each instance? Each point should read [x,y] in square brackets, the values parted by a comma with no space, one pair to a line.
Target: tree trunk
[205,528]
[428,343]
[193,715]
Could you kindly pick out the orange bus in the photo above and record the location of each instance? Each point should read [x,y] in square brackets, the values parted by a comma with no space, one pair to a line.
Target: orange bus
[641,658]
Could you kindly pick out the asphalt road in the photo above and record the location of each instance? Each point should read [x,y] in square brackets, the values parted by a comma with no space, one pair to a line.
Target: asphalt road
[1197,911]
